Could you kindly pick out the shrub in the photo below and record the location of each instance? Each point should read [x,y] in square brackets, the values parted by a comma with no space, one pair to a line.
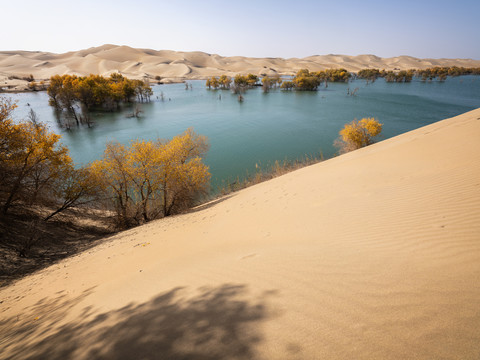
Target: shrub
[358,134]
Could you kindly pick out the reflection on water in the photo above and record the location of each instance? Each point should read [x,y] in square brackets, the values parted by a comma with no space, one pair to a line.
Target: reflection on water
[264,127]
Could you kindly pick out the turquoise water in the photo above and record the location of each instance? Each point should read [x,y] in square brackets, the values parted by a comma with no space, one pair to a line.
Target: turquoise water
[264,127]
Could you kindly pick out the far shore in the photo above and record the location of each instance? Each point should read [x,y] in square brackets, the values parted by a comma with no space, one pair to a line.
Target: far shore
[177,67]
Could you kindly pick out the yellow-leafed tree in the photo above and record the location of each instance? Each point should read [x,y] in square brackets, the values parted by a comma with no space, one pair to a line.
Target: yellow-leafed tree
[358,134]
[149,179]
[30,158]
[35,168]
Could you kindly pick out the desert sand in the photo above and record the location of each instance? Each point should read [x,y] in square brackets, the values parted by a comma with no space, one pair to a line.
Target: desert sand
[174,66]
[374,254]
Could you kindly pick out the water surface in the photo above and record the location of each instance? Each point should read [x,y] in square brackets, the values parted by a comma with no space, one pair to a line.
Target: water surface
[264,127]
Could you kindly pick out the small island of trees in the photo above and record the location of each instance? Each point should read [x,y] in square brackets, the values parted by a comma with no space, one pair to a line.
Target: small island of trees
[309,81]
[304,80]
[440,72]
[389,76]
[75,96]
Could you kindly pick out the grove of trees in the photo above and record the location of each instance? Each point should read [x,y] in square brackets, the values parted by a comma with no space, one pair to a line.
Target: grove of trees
[306,80]
[271,82]
[440,72]
[303,81]
[151,179]
[238,84]
[369,74]
[223,82]
[74,97]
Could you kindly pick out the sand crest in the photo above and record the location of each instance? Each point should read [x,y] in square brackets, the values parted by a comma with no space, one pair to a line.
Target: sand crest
[371,255]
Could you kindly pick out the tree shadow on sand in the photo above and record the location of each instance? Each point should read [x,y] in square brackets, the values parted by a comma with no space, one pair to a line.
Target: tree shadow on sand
[217,323]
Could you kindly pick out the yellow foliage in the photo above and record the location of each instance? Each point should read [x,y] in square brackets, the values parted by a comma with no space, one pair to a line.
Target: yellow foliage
[223,82]
[153,178]
[69,92]
[358,134]
[6,108]
[34,167]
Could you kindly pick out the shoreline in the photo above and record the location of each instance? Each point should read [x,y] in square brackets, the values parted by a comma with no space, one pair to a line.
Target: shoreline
[23,88]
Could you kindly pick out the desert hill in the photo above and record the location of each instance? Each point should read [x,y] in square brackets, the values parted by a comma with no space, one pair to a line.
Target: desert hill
[178,66]
[374,254]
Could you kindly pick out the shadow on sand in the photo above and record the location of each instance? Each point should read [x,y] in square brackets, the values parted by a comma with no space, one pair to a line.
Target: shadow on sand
[216,323]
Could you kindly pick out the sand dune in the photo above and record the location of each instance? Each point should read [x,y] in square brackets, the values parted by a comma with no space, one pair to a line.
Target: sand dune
[371,255]
[108,58]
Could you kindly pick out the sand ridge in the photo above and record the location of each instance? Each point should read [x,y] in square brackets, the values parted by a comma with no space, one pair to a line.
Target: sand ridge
[175,66]
[374,254]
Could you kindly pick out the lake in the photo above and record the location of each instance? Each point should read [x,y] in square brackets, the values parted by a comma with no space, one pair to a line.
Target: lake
[266,126]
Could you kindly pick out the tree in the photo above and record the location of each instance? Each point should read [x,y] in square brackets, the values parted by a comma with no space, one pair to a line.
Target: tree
[287,85]
[8,135]
[29,158]
[212,82]
[252,80]
[266,84]
[336,75]
[32,85]
[34,166]
[184,174]
[369,74]
[240,80]
[113,178]
[306,81]
[358,134]
[53,91]
[224,82]
[149,179]
[269,82]
[73,188]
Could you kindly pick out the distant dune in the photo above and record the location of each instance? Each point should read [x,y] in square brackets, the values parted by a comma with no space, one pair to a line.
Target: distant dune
[178,66]
[374,254]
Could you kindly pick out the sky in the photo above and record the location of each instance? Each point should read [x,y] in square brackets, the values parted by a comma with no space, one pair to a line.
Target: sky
[295,28]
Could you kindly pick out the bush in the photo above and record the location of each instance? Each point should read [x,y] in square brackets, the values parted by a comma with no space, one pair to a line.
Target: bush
[358,134]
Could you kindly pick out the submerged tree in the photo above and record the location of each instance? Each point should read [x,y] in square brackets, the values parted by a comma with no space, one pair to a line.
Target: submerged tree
[212,82]
[369,74]
[77,96]
[287,85]
[224,82]
[305,80]
[270,82]
[400,76]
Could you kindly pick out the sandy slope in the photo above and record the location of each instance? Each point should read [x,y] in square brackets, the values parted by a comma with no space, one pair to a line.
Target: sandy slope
[371,255]
[175,66]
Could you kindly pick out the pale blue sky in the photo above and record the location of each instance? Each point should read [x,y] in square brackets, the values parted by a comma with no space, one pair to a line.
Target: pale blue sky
[250,28]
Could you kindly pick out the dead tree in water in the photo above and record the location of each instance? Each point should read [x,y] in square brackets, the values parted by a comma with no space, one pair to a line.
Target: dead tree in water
[136,112]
